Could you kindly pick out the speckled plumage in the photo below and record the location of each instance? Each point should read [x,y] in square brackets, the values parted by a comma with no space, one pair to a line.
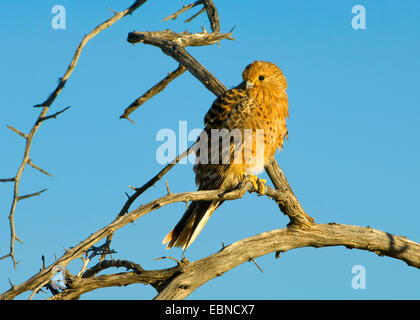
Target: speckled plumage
[259,102]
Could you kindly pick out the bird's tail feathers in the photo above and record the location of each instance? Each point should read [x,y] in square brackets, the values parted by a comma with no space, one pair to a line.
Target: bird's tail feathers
[191,224]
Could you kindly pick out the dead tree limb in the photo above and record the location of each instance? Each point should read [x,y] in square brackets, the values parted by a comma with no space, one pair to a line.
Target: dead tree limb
[161,85]
[185,278]
[199,272]
[192,275]
[212,14]
[43,116]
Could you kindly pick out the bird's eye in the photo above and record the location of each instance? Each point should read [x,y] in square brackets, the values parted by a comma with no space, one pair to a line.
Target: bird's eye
[261,78]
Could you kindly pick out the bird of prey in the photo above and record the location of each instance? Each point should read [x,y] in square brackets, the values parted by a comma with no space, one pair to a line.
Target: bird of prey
[256,108]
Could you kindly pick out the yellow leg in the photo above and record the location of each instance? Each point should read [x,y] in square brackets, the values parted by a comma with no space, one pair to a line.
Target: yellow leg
[259,184]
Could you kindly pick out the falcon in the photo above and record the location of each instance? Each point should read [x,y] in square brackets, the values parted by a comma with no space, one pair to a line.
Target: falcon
[252,119]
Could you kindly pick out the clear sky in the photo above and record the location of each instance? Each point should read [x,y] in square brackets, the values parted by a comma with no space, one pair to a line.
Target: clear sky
[352,156]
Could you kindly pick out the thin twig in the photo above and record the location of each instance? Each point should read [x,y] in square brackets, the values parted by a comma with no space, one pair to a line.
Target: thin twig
[38,288]
[152,92]
[155,179]
[168,257]
[182,10]
[38,168]
[112,10]
[85,39]
[12,286]
[32,194]
[195,15]
[167,187]
[85,264]
[53,115]
[23,135]
[253,260]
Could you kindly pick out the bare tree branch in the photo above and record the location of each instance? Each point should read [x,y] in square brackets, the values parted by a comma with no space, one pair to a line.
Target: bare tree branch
[32,194]
[182,10]
[292,208]
[199,272]
[182,56]
[152,181]
[208,5]
[146,186]
[33,165]
[53,115]
[42,116]
[152,92]
[195,15]
[184,39]
[102,265]
[23,135]
[78,250]
[180,281]
[86,38]
[194,274]
[212,14]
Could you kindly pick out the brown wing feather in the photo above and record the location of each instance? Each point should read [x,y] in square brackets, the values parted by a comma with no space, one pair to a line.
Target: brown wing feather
[222,106]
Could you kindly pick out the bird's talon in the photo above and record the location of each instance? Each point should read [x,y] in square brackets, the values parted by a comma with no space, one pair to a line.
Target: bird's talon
[259,184]
[262,186]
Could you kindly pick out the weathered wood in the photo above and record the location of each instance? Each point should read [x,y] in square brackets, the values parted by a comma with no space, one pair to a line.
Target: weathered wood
[199,272]
[291,207]
[183,39]
[181,282]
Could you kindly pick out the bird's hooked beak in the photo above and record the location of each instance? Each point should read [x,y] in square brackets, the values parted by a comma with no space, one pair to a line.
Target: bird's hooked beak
[248,84]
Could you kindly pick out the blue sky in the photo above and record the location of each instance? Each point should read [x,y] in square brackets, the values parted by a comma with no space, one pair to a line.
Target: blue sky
[352,156]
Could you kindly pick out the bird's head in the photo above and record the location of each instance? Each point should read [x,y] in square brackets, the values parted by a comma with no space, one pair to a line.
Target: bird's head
[262,74]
